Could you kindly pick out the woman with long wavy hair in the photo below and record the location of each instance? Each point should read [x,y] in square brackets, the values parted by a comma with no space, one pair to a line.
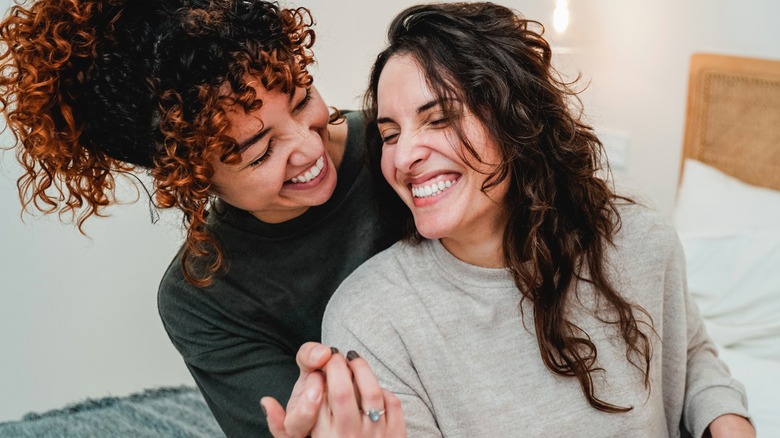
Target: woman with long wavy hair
[214,100]
[527,298]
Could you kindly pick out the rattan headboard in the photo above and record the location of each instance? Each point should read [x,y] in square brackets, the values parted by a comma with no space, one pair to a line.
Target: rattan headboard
[733,117]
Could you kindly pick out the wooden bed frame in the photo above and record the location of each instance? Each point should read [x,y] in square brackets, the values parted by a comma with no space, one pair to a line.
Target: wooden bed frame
[733,117]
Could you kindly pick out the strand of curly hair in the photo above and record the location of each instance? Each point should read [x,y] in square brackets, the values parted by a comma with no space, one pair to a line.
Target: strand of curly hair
[42,62]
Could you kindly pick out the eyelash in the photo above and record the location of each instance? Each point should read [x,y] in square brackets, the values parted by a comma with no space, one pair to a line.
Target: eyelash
[263,157]
[304,102]
[437,123]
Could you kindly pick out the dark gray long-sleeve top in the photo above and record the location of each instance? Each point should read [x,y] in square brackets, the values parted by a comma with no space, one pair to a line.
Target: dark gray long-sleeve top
[239,336]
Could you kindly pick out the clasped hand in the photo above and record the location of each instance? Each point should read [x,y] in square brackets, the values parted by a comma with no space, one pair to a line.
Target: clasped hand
[335,396]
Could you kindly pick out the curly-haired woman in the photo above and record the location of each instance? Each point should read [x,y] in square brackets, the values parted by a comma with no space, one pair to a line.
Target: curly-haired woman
[214,100]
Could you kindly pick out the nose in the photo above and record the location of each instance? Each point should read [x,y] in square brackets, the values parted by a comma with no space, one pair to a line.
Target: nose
[410,151]
[308,145]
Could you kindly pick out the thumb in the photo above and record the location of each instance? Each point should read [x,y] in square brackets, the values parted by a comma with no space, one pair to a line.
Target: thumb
[274,414]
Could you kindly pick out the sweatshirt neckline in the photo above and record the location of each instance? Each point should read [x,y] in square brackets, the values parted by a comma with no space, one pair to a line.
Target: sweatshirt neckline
[466,273]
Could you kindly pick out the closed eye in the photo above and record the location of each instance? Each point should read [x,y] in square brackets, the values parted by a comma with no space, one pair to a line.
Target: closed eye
[304,102]
[263,157]
[437,119]
[389,136]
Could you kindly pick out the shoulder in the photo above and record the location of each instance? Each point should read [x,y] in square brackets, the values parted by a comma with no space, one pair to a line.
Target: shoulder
[183,308]
[644,228]
[171,290]
[381,281]
[356,120]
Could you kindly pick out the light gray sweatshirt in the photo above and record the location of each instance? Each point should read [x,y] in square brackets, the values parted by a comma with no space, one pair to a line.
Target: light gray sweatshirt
[448,339]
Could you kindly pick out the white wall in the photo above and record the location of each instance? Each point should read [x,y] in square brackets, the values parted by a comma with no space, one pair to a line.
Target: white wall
[78,316]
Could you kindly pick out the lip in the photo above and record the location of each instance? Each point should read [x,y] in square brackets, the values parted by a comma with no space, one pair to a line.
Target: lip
[425,202]
[313,183]
[430,176]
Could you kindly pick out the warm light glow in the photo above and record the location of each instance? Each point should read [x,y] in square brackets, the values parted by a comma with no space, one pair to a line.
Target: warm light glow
[561,15]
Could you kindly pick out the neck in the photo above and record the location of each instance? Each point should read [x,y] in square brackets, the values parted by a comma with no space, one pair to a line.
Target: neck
[485,251]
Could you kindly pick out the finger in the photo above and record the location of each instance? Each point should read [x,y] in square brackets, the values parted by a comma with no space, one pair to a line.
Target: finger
[394,415]
[274,414]
[370,393]
[312,356]
[324,424]
[302,417]
[341,393]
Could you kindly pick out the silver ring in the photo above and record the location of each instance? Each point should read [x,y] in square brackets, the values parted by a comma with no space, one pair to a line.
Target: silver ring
[374,414]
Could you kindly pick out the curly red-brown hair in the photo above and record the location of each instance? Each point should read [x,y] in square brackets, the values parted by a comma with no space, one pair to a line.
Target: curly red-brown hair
[38,84]
[94,87]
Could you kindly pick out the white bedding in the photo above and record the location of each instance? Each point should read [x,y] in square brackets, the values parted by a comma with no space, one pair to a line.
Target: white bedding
[730,232]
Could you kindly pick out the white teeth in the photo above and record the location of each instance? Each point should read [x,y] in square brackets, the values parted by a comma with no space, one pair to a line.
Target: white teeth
[434,189]
[311,173]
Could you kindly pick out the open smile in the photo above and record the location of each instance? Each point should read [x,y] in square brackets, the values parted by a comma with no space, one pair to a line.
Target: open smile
[433,187]
[311,173]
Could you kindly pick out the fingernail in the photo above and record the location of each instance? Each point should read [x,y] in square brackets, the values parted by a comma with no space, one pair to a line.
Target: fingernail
[265,413]
[313,395]
[334,350]
[351,355]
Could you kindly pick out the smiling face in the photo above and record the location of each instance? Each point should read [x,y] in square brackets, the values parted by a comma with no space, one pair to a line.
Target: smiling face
[287,161]
[423,161]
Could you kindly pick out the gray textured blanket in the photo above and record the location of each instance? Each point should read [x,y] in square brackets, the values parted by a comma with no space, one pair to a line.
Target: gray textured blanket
[163,412]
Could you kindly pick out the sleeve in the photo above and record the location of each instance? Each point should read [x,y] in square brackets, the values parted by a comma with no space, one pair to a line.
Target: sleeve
[232,371]
[710,391]
[352,322]
[233,380]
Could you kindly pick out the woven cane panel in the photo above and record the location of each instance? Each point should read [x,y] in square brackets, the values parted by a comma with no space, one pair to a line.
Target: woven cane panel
[737,125]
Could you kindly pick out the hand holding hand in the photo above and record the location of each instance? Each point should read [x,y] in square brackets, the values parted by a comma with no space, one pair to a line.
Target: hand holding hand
[356,405]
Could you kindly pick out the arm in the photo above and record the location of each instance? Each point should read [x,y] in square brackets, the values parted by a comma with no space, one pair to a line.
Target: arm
[233,366]
[233,380]
[354,321]
[715,402]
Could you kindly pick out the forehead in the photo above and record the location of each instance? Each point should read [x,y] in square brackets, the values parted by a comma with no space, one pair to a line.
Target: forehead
[272,103]
[403,81]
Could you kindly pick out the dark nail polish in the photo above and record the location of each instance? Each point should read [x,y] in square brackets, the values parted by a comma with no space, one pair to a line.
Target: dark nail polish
[334,350]
[351,355]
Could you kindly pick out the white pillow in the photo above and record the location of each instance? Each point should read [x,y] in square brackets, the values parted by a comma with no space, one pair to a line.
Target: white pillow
[730,231]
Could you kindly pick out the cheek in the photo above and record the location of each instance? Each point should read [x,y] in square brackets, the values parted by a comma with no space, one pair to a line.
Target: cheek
[319,111]
[388,169]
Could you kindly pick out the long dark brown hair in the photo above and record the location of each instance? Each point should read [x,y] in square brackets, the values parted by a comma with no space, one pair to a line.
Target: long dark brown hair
[90,88]
[561,214]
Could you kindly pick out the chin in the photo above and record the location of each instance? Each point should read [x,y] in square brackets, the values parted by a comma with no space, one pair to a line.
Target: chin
[431,231]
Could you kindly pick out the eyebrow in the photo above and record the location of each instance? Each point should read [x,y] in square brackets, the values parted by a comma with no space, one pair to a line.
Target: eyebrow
[244,145]
[421,109]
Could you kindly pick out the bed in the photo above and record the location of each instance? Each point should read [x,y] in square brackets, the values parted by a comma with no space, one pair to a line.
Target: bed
[177,412]
[727,214]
